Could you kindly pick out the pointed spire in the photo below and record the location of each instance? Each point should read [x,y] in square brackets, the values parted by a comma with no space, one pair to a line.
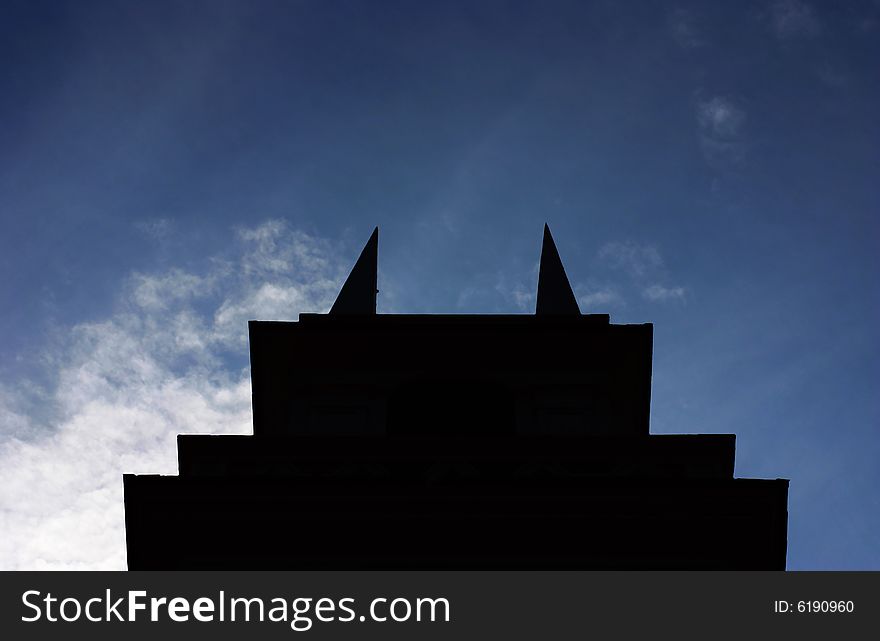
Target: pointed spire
[358,293]
[554,290]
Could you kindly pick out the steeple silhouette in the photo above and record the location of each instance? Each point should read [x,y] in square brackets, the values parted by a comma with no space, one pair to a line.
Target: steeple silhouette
[454,442]
[358,293]
[554,290]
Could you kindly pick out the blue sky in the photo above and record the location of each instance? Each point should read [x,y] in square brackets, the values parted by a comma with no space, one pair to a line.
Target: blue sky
[169,170]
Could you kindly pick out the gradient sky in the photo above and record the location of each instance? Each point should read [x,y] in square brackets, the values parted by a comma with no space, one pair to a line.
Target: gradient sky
[170,169]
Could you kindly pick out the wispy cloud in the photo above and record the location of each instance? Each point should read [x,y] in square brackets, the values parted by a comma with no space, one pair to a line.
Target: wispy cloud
[832,76]
[720,117]
[721,123]
[156,228]
[636,259]
[658,292]
[160,291]
[126,385]
[598,299]
[645,267]
[793,18]
[683,28]
[524,298]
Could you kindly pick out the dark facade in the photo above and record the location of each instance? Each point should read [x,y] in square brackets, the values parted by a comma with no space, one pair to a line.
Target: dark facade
[454,442]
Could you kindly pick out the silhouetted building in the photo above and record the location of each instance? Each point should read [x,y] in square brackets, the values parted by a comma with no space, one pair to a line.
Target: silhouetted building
[453,442]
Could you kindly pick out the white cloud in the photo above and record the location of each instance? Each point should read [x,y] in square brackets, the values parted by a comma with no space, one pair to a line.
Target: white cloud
[524,298]
[646,269]
[156,228]
[658,292]
[637,260]
[127,385]
[160,290]
[721,123]
[269,301]
[683,29]
[274,249]
[520,292]
[13,419]
[598,300]
[793,18]
[720,117]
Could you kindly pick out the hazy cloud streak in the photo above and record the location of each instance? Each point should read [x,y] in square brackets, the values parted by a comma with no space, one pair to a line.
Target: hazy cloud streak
[127,385]
[721,124]
[793,18]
